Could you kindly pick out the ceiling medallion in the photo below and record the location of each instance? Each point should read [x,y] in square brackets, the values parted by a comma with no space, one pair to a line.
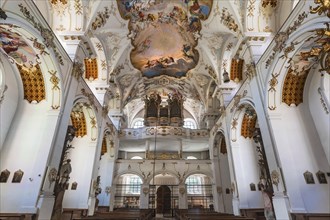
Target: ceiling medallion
[163,34]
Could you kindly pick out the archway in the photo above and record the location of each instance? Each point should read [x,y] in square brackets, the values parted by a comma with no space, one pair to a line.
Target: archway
[163,199]
[128,190]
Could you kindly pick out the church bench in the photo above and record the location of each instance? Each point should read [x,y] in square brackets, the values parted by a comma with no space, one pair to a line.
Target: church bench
[17,216]
[122,214]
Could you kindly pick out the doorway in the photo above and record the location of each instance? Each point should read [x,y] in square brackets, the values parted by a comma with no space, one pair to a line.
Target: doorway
[163,199]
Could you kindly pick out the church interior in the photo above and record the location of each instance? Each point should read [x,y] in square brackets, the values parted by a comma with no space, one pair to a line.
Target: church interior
[165,109]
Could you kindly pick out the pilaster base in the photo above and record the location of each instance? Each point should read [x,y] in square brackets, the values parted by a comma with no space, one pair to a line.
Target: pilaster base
[45,206]
[91,206]
[236,209]
[281,206]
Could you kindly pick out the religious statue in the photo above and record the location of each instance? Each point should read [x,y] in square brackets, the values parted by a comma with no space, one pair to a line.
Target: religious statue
[267,194]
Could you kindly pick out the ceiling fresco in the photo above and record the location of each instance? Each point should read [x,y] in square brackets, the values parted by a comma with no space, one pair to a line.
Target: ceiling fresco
[13,45]
[163,33]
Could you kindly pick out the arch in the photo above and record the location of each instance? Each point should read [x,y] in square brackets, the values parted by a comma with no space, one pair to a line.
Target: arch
[136,158]
[194,172]
[137,123]
[189,123]
[160,172]
[19,116]
[116,178]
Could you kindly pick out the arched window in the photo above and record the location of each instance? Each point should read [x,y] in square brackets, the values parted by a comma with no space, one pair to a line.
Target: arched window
[189,123]
[194,183]
[133,184]
[136,158]
[138,123]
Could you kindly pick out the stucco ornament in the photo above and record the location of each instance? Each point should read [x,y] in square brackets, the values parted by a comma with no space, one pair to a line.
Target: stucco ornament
[275,178]
[145,191]
[182,190]
[52,176]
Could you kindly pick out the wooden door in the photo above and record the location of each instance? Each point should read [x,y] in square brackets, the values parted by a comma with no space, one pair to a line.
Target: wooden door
[163,199]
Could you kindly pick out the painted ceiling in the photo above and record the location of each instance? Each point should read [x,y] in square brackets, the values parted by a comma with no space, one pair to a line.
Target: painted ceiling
[163,34]
[14,45]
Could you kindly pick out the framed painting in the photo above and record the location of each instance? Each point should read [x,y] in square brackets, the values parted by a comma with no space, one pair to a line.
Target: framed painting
[309,178]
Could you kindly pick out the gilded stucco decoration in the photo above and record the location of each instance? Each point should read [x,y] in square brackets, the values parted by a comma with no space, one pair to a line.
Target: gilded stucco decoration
[272,91]
[101,18]
[293,88]
[211,72]
[282,36]
[250,71]
[2,93]
[229,46]
[45,33]
[251,8]
[164,34]
[56,91]
[248,123]
[320,52]
[272,3]
[78,7]
[39,46]
[237,98]
[323,7]
[236,70]
[91,69]
[90,97]
[77,70]
[79,123]
[59,6]
[33,83]
[227,19]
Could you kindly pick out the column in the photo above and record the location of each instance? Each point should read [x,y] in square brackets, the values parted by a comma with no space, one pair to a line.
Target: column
[183,204]
[180,149]
[144,196]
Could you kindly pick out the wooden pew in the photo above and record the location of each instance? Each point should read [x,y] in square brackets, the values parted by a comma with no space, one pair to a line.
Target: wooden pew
[17,216]
[127,214]
[206,215]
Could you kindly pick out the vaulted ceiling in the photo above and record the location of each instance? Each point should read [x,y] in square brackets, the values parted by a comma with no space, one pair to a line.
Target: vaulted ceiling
[166,46]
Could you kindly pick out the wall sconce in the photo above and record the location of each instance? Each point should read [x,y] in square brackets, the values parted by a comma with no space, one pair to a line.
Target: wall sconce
[225,77]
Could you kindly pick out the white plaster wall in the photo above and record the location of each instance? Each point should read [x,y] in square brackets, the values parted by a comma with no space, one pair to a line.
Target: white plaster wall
[106,173]
[225,182]
[247,171]
[299,150]
[26,147]
[82,159]
[10,99]
[320,117]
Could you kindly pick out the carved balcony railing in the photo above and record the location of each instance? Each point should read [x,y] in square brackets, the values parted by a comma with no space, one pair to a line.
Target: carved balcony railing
[163,131]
